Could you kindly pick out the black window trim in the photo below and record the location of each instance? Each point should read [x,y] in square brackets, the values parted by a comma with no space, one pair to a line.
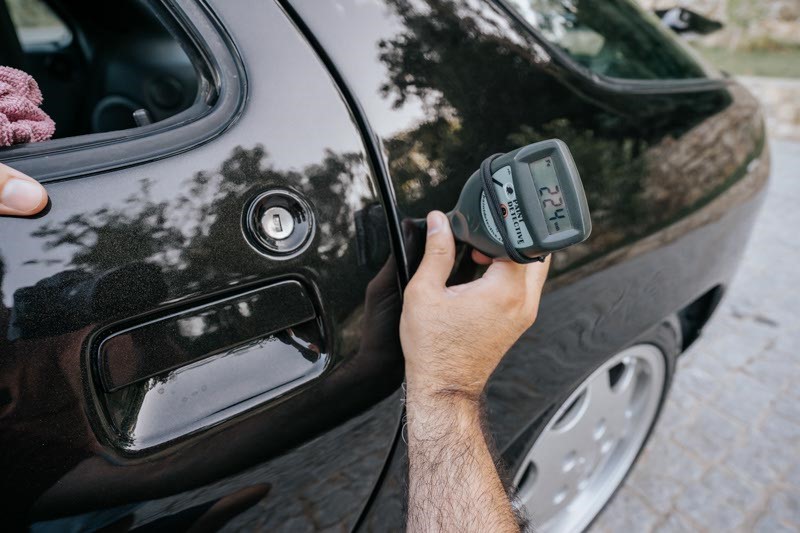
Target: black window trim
[611,84]
[222,94]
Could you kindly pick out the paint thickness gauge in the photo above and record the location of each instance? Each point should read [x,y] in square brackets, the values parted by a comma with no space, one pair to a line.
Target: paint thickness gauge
[523,204]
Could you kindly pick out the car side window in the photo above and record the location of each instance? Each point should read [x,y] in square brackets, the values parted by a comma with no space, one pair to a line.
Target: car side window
[105,66]
[38,26]
[140,80]
[613,38]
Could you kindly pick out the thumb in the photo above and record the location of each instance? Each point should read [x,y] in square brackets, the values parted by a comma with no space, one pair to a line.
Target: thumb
[19,194]
[440,251]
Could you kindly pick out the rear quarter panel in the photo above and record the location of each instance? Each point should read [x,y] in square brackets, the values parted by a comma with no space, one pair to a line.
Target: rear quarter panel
[674,177]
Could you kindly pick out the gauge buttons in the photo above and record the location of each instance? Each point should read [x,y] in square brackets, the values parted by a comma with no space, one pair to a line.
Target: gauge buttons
[279,223]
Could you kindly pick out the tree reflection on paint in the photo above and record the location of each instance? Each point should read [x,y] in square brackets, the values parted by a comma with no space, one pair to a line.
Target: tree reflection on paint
[186,234]
[487,87]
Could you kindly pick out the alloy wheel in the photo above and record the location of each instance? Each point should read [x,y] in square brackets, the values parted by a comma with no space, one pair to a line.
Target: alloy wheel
[584,452]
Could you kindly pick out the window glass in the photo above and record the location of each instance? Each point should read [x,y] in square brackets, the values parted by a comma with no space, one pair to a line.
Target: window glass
[37,25]
[138,72]
[614,38]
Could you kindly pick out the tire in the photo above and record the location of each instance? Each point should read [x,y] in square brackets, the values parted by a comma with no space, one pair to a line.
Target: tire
[575,465]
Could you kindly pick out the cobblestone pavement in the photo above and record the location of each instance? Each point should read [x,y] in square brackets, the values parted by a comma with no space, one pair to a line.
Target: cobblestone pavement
[726,453]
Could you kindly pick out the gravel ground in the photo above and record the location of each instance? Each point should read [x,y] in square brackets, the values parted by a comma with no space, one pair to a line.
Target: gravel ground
[726,453]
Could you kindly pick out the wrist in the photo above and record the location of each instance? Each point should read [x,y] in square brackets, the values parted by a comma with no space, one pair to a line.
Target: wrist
[442,406]
[443,397]
[442,416]
[453,388]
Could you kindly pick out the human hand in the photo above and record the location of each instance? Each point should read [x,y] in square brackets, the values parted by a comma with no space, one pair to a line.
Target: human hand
[454,337]
[20,195]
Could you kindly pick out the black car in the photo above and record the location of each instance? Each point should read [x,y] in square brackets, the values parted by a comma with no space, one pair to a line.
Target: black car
[201,329]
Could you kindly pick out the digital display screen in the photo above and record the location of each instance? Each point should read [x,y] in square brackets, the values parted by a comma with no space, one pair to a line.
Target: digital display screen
[550,195]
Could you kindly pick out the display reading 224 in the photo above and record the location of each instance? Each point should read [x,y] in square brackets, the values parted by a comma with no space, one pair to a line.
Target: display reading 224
[555,210]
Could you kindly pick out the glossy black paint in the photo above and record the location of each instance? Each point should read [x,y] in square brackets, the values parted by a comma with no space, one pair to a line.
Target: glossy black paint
[673,173]
[174,228]
[371,110]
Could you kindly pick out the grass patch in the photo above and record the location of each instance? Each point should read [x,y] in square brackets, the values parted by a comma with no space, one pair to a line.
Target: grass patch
[780,62]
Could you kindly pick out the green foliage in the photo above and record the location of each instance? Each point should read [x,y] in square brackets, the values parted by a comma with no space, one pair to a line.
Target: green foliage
[766,59]
[743,12]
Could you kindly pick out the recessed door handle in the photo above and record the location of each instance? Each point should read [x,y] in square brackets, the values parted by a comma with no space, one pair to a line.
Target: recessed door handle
[155,346]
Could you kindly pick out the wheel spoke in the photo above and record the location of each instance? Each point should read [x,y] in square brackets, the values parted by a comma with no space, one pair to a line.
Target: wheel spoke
[627,382]
[557,473]
[602,397]
[548,493]
[623,390]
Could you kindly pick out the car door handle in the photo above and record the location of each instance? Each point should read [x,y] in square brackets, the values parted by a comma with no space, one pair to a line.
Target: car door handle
[156,346]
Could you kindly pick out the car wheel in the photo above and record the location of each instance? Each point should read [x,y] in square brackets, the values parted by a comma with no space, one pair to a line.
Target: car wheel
[581,457]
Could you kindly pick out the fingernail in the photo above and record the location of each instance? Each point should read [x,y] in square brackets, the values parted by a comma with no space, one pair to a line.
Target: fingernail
[21,195]
[434,222]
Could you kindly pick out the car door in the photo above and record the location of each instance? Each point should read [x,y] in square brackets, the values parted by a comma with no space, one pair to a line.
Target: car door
[202,326]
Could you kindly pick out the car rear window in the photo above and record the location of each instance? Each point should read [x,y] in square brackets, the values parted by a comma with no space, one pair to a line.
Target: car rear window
[614,38]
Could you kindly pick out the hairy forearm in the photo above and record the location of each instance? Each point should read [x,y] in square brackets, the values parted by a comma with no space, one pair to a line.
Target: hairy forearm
[453,480]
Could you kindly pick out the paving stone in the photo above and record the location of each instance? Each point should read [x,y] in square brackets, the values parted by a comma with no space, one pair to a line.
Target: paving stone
[783,306]
[709,435]
[709,362]
[736,350]
[789,341]
[627,513]
[657,491]
[780,429]
[787,406]
[770,372]
[701,506]
[793,475]
[779,353]
[679,410]
[723,485]
[785,507]
[792,392]
[665,458]
[787,359]
[760,459]
[769,524]
[675,523]
[701,383]
[744,398]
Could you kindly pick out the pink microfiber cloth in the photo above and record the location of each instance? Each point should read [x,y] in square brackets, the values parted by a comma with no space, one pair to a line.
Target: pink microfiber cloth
[21,120]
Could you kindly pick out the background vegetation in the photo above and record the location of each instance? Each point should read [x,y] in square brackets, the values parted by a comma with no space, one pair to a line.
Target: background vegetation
[759,38]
